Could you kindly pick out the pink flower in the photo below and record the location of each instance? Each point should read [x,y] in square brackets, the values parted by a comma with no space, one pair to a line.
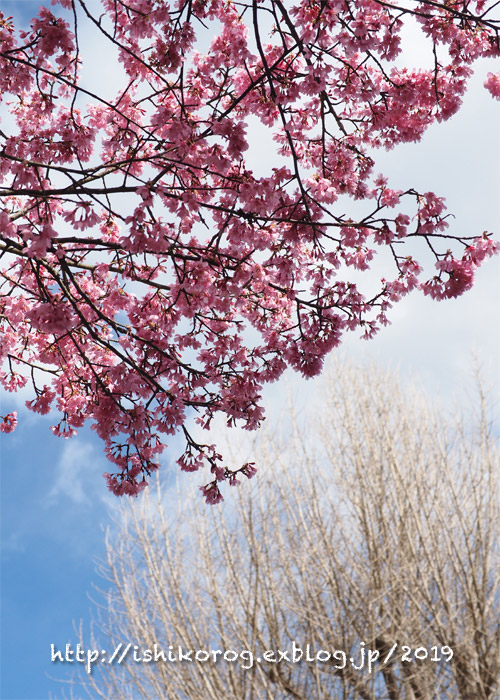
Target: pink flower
[9,422]
[461,276]
[482,248]
[13,381]
[43,401]
[121,486]
[55,317]
[190,462]
[63,429]
[492,83]
[249,470]
[212,493]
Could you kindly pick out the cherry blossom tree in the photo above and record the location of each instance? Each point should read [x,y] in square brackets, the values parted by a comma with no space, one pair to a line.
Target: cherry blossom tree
[148,271]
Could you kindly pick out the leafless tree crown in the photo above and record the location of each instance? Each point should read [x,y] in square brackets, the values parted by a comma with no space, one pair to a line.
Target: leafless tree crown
[394,541]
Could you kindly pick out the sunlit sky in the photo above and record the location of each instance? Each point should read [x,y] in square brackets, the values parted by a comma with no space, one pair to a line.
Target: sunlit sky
[54,501]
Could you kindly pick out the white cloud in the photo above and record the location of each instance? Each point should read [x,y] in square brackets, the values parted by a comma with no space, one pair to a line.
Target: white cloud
[78,475]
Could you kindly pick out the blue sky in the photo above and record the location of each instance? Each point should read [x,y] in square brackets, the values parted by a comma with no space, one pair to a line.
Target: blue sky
[49,538]
[54,502]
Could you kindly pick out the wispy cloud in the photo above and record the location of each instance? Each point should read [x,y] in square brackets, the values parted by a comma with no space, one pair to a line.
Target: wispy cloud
[75,472]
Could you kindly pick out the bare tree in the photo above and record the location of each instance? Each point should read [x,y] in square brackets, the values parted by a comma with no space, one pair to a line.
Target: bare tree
[378,575]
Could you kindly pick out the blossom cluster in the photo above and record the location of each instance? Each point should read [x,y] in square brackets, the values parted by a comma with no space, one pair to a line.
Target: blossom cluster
[150,273]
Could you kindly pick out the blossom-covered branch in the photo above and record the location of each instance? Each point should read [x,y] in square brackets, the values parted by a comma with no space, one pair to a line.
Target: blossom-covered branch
[149,271]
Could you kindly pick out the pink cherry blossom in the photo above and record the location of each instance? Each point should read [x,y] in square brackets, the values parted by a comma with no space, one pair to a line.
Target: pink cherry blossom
[9,422]
[211,493]
[492,84]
